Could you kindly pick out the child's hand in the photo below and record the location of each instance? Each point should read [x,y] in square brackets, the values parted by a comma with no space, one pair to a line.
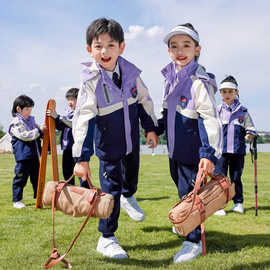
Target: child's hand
[43,127]
[82,169]
[52,113]
[152,137]
[249,137]
[207,165]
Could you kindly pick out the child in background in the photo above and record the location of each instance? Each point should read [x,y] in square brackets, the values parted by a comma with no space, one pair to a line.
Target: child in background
[111,101]
[237,125]
[64,123]
[26,147]
[190,120]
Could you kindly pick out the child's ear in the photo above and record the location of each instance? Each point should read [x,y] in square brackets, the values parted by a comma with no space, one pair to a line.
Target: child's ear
[18,109]
[122,47]
[198,50]
[88,48]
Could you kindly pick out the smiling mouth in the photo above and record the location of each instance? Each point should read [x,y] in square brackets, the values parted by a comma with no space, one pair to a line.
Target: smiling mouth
[106,60]
[181,58]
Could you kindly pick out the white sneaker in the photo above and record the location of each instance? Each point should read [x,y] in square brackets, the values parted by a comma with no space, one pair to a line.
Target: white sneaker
[188,252]
[110,248]
[131,206]
[174,230]
[18,205]
[238,208]
[220,212]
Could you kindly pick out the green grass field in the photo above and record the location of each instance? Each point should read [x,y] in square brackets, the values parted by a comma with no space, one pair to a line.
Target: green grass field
[233,242]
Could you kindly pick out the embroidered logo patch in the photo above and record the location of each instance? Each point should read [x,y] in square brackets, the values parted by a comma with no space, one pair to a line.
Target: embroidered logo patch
[183,102]
[241,120]
[134,92]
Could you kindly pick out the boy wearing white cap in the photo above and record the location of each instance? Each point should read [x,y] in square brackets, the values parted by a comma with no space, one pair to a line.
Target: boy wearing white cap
[237,125]
[189,117]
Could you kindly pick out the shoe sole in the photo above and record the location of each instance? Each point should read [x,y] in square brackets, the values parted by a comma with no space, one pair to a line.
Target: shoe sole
[188,260]
[136,219]
[238,212]
[118,257]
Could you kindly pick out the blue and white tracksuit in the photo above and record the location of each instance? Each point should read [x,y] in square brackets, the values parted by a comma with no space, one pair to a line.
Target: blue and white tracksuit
[64,124]
[26,149]
[236,123]
[191,122]
[110,116]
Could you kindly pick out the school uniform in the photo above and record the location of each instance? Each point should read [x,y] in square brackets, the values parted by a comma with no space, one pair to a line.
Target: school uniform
[64,124]
[26,149]
[191,123]
[130,162]
[236,123]
[110,116]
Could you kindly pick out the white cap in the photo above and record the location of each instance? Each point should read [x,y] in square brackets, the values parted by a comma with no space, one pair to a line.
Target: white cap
[181,30]
[228,85]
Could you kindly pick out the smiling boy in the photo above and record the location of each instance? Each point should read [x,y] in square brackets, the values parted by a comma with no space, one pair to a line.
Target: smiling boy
[109,112]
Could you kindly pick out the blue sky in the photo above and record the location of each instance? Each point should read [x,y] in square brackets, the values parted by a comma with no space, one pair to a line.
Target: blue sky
[42,44]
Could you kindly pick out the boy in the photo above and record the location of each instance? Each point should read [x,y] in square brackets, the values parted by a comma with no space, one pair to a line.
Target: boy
[64,123]
[26,147]
[109,113]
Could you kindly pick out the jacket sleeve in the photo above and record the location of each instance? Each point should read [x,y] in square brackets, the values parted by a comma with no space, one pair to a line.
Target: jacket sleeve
[83,123]
[249,126]
[210,126]
[146,107]
[160,127]
[18,130]
[62,122]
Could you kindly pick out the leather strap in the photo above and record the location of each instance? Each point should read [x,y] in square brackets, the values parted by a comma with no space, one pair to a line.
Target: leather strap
[57,190]
[199,179]
[202,178]
[203,240]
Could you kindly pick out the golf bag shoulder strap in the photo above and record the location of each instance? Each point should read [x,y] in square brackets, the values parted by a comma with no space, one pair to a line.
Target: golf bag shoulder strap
[55,255]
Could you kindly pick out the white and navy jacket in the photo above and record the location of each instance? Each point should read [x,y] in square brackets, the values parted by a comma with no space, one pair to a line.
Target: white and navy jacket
[236,124]
[64,123]
[25,138]
[189,114]
[110,115]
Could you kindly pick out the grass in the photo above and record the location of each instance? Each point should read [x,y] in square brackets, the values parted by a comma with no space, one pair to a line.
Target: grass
[233,242]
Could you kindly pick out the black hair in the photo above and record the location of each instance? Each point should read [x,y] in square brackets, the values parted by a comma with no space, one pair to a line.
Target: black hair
[22,101]
[73,92]
[101,26]
[229,78]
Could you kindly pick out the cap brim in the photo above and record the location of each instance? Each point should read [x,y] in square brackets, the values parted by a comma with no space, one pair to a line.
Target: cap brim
[173,33]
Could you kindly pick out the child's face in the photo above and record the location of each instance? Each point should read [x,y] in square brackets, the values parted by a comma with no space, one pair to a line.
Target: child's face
[25,112]
[228,95]
[182,50]
[105,51]
[72,102]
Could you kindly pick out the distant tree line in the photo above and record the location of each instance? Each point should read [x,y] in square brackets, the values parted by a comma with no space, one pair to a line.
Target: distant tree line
[2,133]
[162,137]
